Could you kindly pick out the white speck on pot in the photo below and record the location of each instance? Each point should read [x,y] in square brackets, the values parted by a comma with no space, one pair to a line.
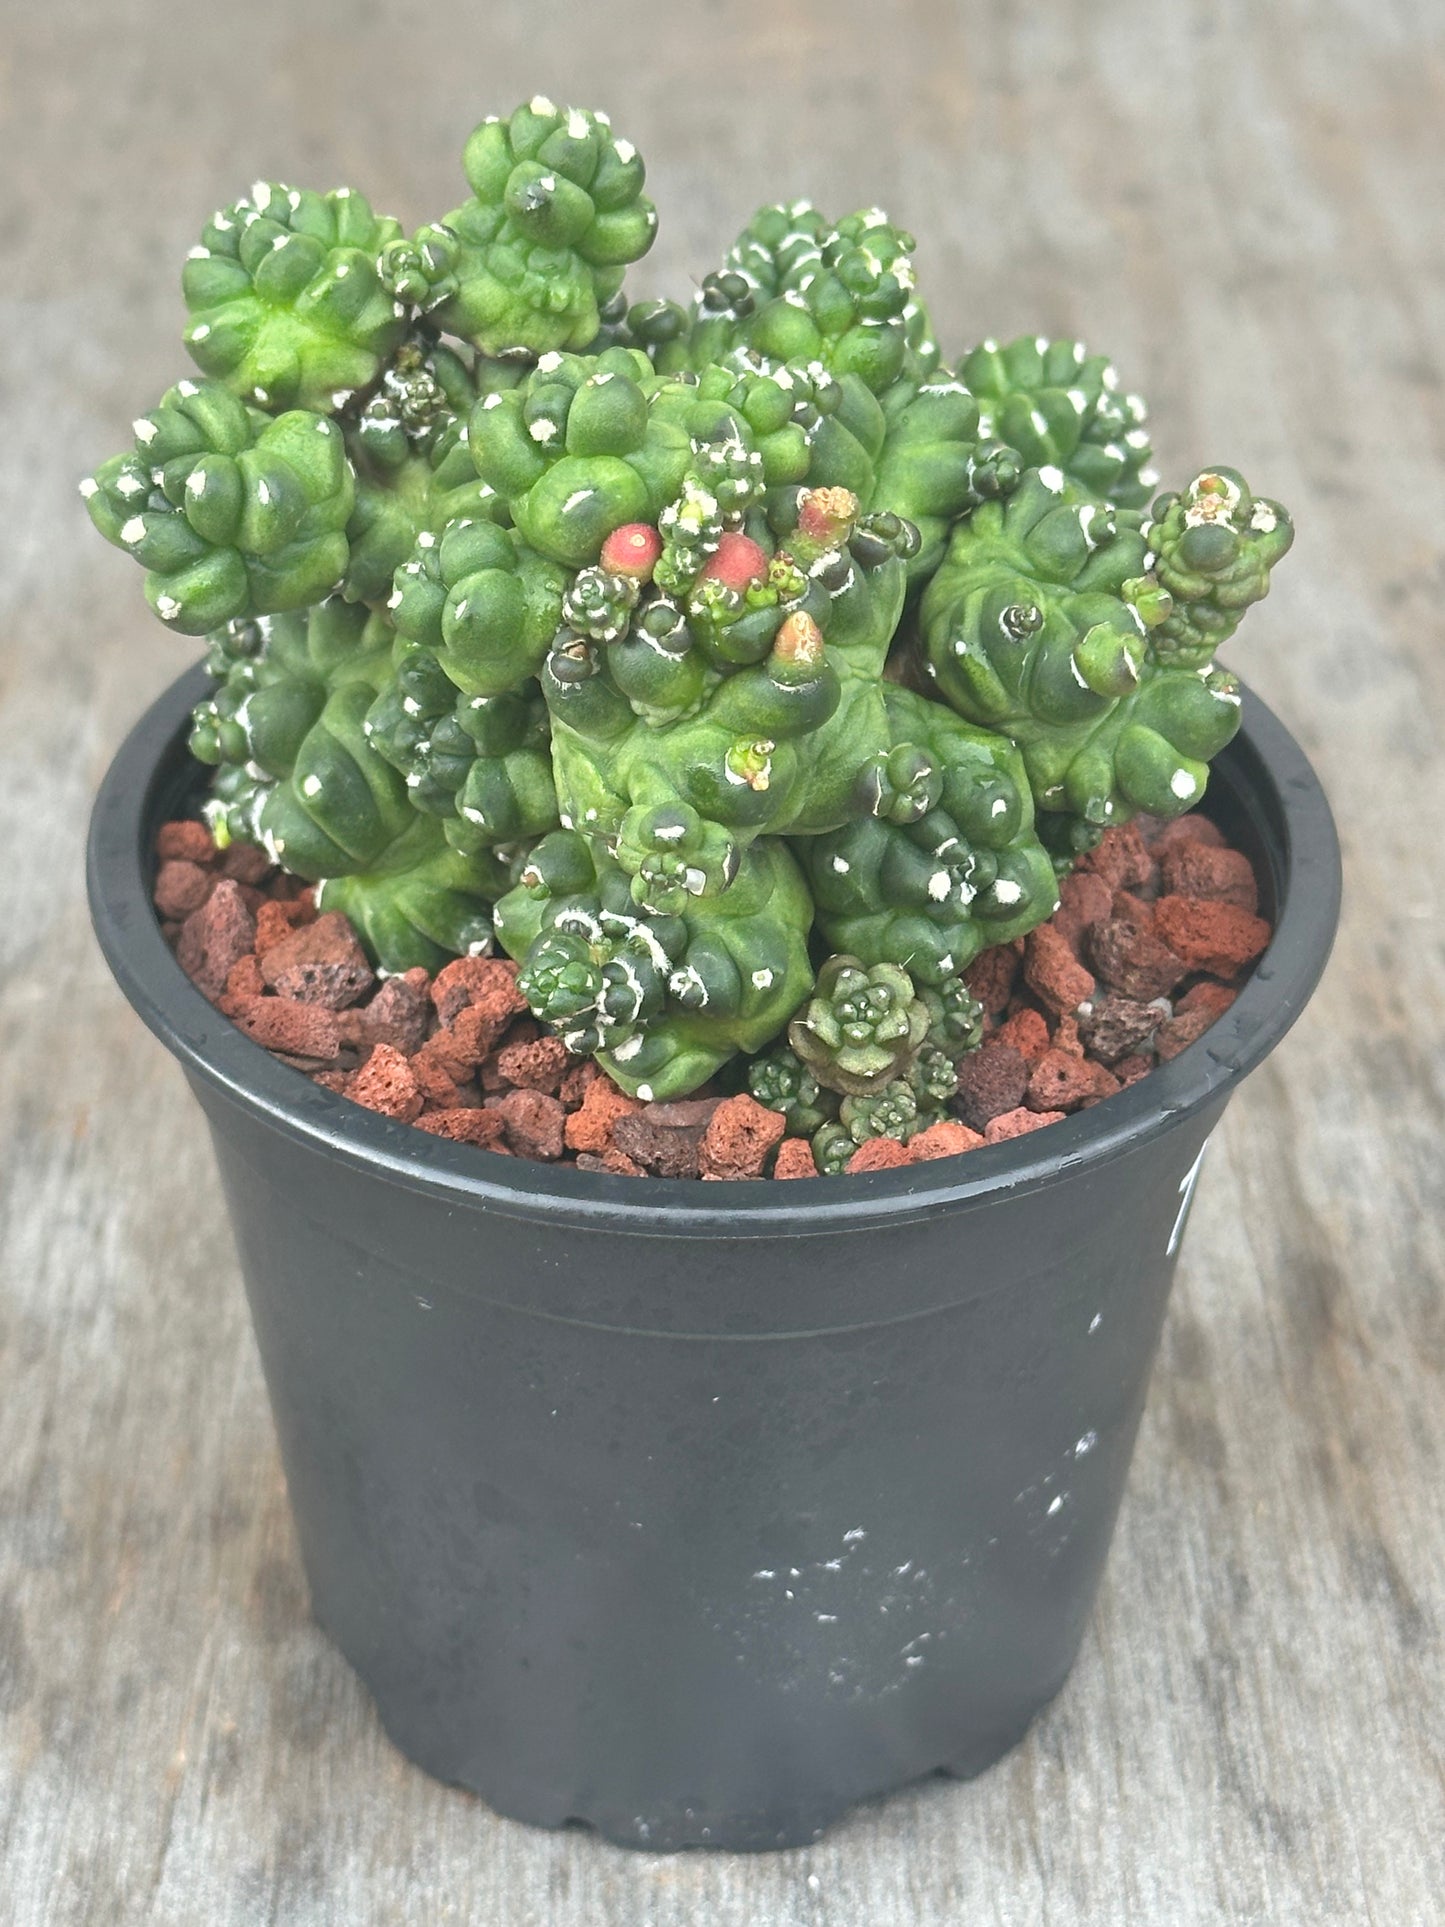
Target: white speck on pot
[1086,1444]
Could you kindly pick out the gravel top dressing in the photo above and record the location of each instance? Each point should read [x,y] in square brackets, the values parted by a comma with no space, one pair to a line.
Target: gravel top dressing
[1155,930]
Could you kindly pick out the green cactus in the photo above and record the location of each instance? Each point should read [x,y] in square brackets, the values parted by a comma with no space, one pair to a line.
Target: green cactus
[1214,547]
[894,1110]
[751,715]
[955,1017]
[797,290]
[946,862]
[676,648]
[482,763]
[414,471]
[230,512]
[661,1001]
[531,260]
[577,453]
[424,902]
[286,727]
[1040,621]
[862,1027]
[481,602]
[780,1079]
[285,303]
[1055,403]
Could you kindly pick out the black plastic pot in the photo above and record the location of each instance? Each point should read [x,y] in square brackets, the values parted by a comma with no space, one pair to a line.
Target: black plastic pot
[700,1512]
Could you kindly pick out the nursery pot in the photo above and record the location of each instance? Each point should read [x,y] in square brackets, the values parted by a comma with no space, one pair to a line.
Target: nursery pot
[699,1512]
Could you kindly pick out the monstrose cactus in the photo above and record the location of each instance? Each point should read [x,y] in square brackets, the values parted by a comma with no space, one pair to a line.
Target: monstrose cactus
[743,668]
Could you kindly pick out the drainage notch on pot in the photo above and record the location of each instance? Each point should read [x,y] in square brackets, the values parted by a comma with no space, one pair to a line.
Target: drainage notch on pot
[701,1518]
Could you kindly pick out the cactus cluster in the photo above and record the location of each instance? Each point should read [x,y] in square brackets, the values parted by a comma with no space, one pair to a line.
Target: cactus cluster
[742,668]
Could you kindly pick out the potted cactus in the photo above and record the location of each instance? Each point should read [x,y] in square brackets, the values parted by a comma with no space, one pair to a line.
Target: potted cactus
[745,672]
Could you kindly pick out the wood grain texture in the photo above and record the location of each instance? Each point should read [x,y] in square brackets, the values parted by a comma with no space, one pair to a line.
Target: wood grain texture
[1244,203]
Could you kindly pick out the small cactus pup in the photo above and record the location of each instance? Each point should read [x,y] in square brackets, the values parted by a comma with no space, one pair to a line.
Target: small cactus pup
[744,669]
[661,1001]
[232,513]
[1086,635]
[286,305]
[861,1028]
[530,262]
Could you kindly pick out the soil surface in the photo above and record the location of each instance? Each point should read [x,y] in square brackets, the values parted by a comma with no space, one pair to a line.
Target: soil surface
[1155,930]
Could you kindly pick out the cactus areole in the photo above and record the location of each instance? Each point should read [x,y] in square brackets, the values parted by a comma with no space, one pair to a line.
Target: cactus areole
[743,669]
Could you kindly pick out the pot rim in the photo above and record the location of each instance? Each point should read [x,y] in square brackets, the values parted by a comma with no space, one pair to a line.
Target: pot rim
[1263,773]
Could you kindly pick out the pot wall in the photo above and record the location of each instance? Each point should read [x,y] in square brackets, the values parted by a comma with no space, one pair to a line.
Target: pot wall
[704,1585]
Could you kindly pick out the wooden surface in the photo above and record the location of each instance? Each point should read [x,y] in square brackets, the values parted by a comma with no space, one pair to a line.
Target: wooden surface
[1244,204]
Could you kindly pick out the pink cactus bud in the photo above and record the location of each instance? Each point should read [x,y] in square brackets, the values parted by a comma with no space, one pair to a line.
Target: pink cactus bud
[799,640]
[736,561]
[632,551]
[825,515]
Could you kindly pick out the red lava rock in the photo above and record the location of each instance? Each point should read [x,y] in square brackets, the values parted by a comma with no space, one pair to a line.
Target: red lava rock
[185,841]
[992,974]
[215,937]
[321,963]
[878,1154]
[439,1075]
[243,981]
[1217,937]
[386,1083]
[1133,960]
[611,1159]
[533,1123]
[536,1064]
[1215,998]
[1012,1124]
[684,1112]
[577,1081]
[469,980]
[239,925]
[1131,909]
[1061,1082]
[1084,899]
[398,1014]
[589,1128]
[1066,1036]
[275,921]
[1053,973]
[740,1136]
[283,1024]
[181,887]
[795,1159]
[943,1140]
[1129,1070]
[478,1028]
[991,1080]
[1192,828]
[669,1150]
[1121,858]
[1116,1027]
[471,1126]
[246,863]
[1181,1031]
[1212,875]
[1027,1032]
